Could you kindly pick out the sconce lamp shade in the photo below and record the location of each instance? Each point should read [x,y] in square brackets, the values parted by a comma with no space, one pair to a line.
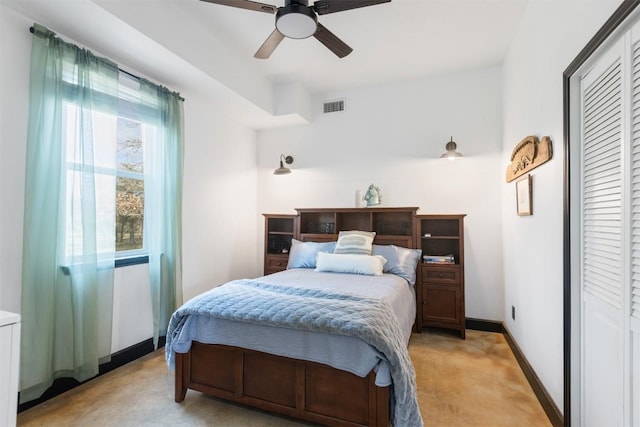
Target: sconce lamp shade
[451,153]
[282,170]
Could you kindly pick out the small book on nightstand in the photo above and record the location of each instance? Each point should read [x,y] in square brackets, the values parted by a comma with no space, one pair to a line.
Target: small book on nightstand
[438,259]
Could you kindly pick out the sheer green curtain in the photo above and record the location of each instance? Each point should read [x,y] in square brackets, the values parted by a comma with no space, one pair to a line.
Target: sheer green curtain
[163,205]
[75,102]
[66,312]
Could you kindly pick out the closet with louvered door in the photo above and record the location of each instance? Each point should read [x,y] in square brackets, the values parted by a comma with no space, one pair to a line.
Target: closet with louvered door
[633,335]
[605,233]
[602,268]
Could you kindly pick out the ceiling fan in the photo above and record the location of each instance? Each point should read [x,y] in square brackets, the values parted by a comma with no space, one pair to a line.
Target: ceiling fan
[297,20]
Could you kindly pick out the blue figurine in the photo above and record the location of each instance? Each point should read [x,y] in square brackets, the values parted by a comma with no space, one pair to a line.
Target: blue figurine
[373,196]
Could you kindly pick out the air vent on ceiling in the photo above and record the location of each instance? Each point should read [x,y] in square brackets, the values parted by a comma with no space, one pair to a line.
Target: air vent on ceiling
[334,106]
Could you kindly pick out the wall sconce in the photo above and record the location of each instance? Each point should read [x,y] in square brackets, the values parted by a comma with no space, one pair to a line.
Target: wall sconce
[451,153]
[282,170]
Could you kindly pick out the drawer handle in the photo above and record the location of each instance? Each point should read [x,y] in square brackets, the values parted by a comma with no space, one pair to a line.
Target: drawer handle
[440,275]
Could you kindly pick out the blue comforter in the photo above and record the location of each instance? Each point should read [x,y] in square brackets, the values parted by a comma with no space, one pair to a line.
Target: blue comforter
[368,319]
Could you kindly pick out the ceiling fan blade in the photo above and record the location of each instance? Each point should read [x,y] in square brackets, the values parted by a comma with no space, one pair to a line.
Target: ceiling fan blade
[269,45]
[322,7]
[331,41]
[246,4]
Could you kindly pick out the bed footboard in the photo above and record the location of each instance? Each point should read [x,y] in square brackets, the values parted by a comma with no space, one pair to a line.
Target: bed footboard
[296,388]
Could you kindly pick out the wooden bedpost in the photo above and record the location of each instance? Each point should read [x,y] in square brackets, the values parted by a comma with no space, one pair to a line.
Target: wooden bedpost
[180,380]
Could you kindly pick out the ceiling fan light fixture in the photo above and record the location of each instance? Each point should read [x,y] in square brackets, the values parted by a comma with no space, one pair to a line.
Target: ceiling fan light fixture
[296,21]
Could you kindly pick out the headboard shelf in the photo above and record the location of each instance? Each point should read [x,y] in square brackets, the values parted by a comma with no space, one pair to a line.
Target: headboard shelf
[384,221]
[317,237]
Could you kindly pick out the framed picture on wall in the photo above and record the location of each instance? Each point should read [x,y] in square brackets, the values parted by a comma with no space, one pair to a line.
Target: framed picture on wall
[523,196]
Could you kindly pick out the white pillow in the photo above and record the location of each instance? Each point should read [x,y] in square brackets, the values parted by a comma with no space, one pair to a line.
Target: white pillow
[371,265]
[354,242]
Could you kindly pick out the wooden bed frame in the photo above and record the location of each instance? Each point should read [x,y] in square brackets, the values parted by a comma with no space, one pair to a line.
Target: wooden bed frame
[292,387]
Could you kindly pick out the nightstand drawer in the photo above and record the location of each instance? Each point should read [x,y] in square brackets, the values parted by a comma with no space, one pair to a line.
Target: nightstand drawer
[277,262]
[441,274]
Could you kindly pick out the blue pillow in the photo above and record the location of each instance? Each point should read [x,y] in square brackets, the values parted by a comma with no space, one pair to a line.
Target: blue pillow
[400,261]
[303,254]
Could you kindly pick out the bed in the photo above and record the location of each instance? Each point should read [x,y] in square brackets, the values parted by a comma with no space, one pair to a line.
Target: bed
[326,346]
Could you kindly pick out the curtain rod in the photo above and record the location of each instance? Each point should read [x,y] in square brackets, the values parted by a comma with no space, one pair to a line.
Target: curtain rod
[32,30]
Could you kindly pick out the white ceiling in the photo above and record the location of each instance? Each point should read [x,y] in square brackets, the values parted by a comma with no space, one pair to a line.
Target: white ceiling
[391,41]
[190,42]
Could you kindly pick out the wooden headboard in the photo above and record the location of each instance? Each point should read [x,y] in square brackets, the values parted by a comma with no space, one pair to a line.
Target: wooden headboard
[393,226]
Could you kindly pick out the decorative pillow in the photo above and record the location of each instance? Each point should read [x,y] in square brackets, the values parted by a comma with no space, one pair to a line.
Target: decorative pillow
[400,261]
[350,263]
[354,242]
[303,254]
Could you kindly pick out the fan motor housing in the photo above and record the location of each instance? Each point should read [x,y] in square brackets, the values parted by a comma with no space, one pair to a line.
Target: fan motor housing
[300,2]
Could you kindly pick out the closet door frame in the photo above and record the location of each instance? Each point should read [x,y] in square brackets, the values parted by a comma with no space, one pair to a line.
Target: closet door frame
[572,328]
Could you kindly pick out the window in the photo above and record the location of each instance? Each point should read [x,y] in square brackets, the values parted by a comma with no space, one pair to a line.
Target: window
[130,186]
[119,157]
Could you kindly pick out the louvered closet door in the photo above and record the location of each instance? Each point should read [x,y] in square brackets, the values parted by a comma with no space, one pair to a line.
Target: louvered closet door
[602,269]
[634,289]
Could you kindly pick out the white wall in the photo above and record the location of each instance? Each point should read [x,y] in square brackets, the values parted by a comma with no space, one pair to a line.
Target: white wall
[1,97]
[14,49]
[549,38]
[219,209]
[392,136]
[219,213]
